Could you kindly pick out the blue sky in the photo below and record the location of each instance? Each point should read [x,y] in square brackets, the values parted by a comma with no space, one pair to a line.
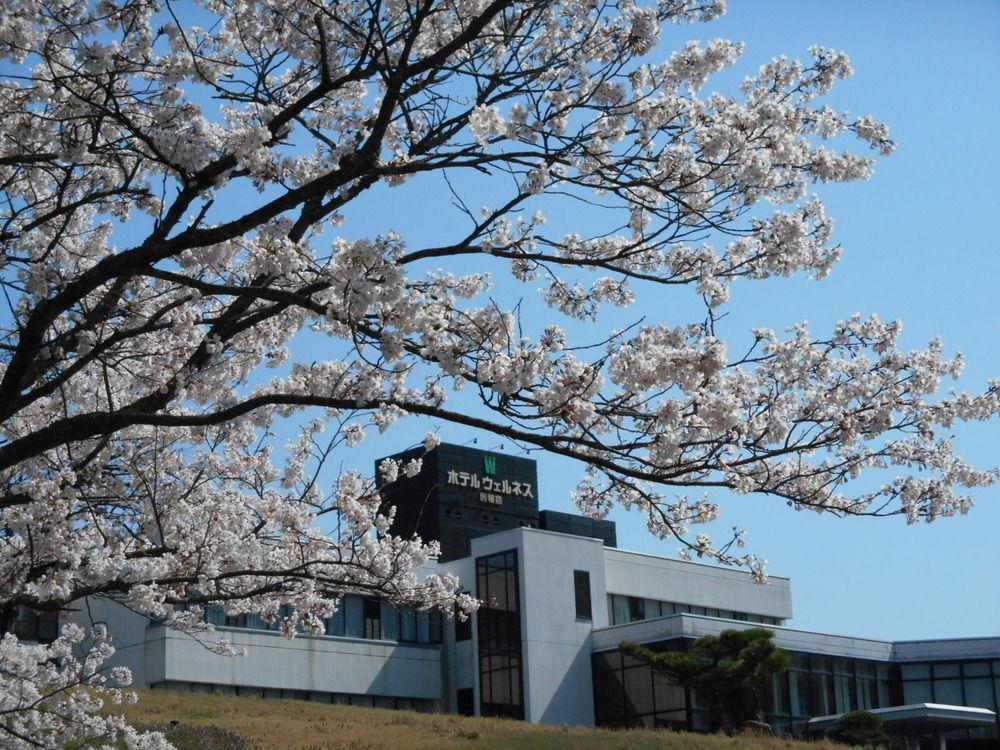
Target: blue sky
[918,245]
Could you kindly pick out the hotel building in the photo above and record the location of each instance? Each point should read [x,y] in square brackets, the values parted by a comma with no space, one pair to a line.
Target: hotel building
[559,597]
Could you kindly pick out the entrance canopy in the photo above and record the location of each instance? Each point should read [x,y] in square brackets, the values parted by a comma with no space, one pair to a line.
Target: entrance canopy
[919,718]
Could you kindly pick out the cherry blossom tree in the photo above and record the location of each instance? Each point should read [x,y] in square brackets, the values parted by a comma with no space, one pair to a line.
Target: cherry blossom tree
[172,177]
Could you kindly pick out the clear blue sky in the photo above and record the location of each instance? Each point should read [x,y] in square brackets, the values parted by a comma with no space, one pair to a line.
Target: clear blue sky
[919,245]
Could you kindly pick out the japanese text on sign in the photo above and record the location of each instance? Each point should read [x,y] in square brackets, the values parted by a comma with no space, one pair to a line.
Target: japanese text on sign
[492,488]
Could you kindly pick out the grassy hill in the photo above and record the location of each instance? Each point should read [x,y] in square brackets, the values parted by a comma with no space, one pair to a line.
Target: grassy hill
[212,722]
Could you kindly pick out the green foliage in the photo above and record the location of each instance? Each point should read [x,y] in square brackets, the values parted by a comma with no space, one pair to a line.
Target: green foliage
[859,728]
[727,671]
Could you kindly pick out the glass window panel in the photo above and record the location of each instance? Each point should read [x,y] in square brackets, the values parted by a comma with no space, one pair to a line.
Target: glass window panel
[947,670]
[607,660]
[463,628]
[666,695]
[372,614]
[884,701]
[799,661]
[500,684]
[636,609]
[423,627]
[354,620]
[335,624]
[609,695]
[979,692]
[778,699]
[915,671]
[498,634]
[976,669]
[408,625]
[515,687]
[390,622]
[581,594]
[638,691]
[799,694]
[820,663]
[510,578]
[841,692]
[820,695]
[917,691]
[436,626]
[948,692]
[865,695]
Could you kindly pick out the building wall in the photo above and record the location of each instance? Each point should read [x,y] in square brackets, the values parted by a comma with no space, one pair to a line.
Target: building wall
[321,664]
[556,645]
[651,577]
[128,636]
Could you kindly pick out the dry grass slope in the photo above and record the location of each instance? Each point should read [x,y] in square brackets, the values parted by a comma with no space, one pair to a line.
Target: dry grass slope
[298,725]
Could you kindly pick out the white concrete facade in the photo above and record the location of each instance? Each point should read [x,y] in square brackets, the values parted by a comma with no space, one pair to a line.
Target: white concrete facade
[557,646]
[652,577]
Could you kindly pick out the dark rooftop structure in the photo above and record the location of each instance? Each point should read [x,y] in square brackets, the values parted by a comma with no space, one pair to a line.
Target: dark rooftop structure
[461,493]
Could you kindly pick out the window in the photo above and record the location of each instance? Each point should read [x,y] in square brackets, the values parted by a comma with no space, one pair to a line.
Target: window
[636,609]
[408,625]
[390,622]
[581,589]
[498,632]
[372,618]
[36,626]
[335,624]
[435,629]
[463,628]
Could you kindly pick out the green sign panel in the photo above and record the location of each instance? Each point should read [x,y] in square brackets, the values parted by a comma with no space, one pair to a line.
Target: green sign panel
[490,465]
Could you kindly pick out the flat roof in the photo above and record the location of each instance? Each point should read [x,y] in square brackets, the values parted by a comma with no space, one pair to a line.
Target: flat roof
[677,560]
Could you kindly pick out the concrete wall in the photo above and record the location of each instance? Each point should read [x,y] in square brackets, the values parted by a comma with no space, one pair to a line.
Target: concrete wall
[128,634]
[325,664]
[651,577]
[458,663]
[155,654]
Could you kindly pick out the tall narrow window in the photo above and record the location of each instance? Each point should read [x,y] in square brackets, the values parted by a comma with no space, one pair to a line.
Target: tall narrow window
[373,618]
[463,628]
[498,632]
[581,589]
